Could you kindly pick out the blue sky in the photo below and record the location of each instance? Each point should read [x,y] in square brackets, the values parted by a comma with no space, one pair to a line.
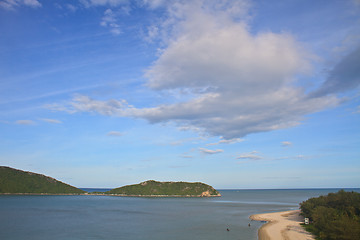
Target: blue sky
[236,94]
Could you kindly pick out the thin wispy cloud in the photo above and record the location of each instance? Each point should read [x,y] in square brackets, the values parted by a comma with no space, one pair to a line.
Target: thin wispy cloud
[283,178]
[253,156]
[210,151]
[13,4]
[49,120]
[52,94]
[112,3]
[226,141]
[71,7]
[357,109]
[25,122]
[115,134]
[110,20]
[81,103]
[286,144]
[297,157]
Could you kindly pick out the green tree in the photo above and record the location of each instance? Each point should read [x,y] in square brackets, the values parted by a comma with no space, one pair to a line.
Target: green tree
[335,216]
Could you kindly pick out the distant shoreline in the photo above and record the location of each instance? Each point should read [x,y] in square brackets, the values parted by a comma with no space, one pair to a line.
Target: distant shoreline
[281,226]
[103,194]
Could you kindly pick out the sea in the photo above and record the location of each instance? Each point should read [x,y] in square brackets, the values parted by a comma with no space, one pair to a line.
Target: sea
[134,218]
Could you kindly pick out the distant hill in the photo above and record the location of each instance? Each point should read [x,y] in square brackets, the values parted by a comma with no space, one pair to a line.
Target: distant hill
[17,181]
[164,189]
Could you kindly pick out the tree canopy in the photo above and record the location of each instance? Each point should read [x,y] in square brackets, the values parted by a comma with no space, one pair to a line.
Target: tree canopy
[335,216]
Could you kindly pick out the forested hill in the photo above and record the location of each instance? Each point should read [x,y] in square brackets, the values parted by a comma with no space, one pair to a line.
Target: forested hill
[335,216]
[154,188]
[17,181]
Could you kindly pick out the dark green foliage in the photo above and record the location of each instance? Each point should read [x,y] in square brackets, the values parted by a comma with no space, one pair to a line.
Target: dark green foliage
[17,181]
[310,228]
[165,188]
[335,216]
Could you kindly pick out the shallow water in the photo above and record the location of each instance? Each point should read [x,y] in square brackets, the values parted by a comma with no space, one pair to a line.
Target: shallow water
[109,217]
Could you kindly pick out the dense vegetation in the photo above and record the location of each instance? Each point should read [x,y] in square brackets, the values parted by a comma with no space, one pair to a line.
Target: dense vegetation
[13,181]
[335,216]
[151,188]
[17,181]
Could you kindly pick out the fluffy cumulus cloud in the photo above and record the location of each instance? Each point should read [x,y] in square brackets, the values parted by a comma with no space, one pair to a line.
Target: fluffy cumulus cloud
[238,82]
[244,83]
[12,4]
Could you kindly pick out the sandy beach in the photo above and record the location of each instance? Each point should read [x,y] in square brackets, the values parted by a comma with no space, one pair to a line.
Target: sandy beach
[282,226]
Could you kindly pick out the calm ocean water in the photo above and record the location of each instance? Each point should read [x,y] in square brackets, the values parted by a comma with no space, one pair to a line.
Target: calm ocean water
[108,217]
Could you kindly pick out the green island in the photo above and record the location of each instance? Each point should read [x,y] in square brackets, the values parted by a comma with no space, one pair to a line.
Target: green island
[13,181]
[153,188]
[335,216]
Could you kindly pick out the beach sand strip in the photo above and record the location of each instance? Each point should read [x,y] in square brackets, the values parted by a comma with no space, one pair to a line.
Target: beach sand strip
[282,226]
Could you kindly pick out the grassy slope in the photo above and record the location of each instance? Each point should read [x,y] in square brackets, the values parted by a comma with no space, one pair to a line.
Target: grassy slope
[17,181]
[164,188]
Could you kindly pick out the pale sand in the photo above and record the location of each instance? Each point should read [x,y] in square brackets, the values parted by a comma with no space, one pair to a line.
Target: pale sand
[282,226]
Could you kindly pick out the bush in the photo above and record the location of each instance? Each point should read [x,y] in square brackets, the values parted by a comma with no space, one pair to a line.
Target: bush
[335,216]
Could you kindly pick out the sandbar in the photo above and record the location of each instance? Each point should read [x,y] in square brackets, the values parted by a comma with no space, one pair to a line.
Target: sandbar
[282,226]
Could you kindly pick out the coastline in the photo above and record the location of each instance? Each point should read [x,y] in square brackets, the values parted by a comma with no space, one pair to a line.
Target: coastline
[115,195]
[282,226]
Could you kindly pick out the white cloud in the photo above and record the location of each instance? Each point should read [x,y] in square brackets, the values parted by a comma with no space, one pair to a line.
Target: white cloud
[297,157]
[152,33]
[250,156]
[247,81]
[109,20]
[115,134]
[226,141]
[25,122]
[82,103]
[110,17]
[286,144]
[71,7]
[12,4]
[51,120]
[154,3]
[112,3]
[32,3]
[209,151]
[240,82]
